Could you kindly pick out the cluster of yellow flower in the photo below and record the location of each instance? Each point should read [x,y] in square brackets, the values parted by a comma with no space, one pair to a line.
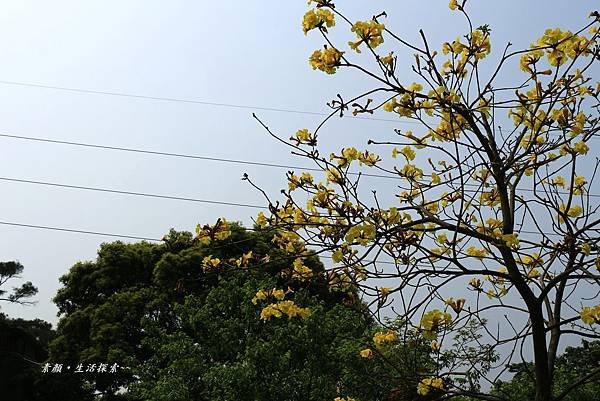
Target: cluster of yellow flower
[490,198]
[406,104]
[580,148]
[478,46]
[263,294]
[573,211]
[281,308]
[498,289]
[369,32]
[209,263]
[493,228]
[243,260]
[301,271]
[406,151]
[438,252]
[388,60]
[346,158]
[476,284]
[434,321]
[384,337]
[207,233]
[428,383]
[360,233]
[261,220]
[532,140]
[419,143]
[304,137]
[559,46]
[344,399]
[366,353]
[456,304]
[317,18]
[327,60]
[411,172]
[348,155]
[478,253]
[295,181]
[342,281]
[289,241]
[590,315]
[531,263]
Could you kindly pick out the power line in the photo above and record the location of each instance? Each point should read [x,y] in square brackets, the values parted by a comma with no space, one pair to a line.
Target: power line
[52,184]
[192,101]
[144,194]
[78,231]
[70,230]
[214,159]
[195,101]
[182,155]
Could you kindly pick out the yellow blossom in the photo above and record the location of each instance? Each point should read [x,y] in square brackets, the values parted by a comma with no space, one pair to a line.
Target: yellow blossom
[388,60]
[420,143]
[369,32]
[590,315]
[428,383]
[574,211]
[456,304]
[384,337]
[435,320]
[475,283]
[220,231]
[320,17]
[478,253]
[512,240]
[415,87]
[261,295]
[407,152]
[586,249]
[300,271]
[411,172]
[581,148]
[261,220]
[244,259]
[281,308]
[305,137]
[210,263]
[366,353]
[326,60]
[559,181]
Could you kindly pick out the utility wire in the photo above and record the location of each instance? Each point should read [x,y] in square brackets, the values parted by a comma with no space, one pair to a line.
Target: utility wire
[77,231]
[215,159]
[195,101]
[70,230]
[192,101]
[159,153]
[178,198]
[114,191]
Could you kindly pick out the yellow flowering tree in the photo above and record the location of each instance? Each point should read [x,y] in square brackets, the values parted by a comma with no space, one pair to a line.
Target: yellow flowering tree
[493,213]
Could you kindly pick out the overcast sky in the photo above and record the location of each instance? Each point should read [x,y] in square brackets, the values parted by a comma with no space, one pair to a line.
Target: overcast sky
[239,52]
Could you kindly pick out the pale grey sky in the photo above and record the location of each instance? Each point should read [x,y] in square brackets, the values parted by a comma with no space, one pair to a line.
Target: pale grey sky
[241,52]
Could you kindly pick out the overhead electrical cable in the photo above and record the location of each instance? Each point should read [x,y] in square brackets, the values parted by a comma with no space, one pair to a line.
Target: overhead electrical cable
[192,101]
[115,191]
[70,230]
[213,159]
